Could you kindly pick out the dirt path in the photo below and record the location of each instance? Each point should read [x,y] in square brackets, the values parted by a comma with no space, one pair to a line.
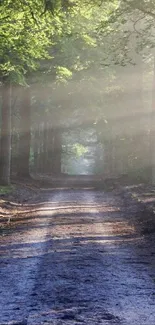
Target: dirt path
[77,258]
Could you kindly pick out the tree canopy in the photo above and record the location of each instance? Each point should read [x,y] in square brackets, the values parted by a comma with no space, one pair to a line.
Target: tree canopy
[71,51]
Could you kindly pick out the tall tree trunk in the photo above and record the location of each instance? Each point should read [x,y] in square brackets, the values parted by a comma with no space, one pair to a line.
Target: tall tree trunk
[152,131]
[14,128]
[36,150]
[45,147]
[41,148]
[5,157]
[50,149]
[24,134]
[56,166]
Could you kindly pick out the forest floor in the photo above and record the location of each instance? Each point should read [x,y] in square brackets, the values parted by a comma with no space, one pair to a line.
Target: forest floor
[72,256]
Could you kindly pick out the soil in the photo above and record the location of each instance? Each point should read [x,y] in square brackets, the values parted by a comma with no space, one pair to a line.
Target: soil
[72,256]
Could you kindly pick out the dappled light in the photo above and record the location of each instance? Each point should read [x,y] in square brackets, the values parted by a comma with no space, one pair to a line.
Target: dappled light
[77,162]
[85,256]
[78,255]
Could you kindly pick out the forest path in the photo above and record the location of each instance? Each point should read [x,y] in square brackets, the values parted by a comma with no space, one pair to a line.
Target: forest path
[77,258]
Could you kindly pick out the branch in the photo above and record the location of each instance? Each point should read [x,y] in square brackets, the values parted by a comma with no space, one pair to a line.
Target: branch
[137,21]
[140,7]
[31,11]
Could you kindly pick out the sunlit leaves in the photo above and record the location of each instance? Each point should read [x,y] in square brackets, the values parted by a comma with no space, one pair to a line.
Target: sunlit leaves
[79,150]
[63,74]
[29,28]
[71,29]
[24,37]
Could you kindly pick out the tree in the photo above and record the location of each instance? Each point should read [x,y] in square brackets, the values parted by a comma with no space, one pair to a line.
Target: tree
[52,42]
[29,29]
[24,133]
[5,143]
[25,38]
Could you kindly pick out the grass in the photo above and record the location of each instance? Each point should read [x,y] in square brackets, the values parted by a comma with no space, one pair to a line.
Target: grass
[6,189]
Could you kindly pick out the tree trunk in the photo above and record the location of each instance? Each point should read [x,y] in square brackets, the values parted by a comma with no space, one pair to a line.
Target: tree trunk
[41,148]
[36,151]
[14,128]
[5,158]
[24,134]
[152,131]
[50,149]
[45,147]
[56,165]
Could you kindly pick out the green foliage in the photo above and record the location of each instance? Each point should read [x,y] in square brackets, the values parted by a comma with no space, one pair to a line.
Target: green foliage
[6,189]
[25,37]
[79,150]
[63,74]
[126,28]
[30,28]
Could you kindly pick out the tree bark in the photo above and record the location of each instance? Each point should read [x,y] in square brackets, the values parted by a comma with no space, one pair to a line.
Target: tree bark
[41,148]
[14,128]
[57,150]
[45,147]
[24,134]
[152,131]
[36,150]
[50,149]
[5,158]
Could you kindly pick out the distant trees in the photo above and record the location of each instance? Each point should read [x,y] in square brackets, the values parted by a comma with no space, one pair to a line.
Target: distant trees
[25,37]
